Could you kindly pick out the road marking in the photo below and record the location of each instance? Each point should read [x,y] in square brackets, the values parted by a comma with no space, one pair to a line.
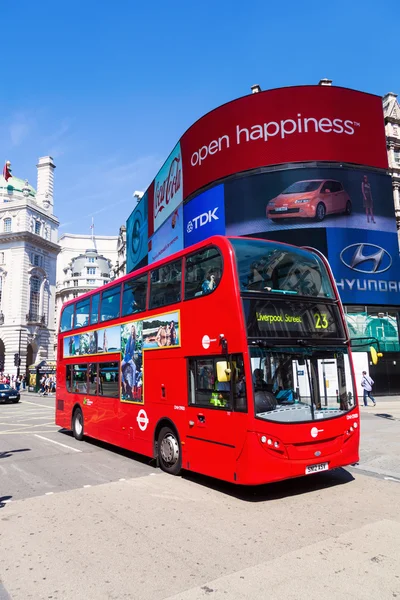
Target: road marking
[58,443]
[86,486]
[36,404]
[122,479]
[49,493]
[392,479]
[28,433]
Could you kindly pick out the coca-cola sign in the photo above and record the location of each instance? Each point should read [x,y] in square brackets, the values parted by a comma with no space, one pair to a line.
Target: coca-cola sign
[168,187]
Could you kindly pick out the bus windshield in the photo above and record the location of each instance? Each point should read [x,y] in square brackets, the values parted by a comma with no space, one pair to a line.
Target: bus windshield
[294,385]
[270,267]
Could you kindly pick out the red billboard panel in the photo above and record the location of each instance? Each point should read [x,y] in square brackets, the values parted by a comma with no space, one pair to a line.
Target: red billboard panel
[286,125]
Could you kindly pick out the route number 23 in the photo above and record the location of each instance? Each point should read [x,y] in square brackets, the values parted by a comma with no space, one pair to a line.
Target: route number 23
[321,321]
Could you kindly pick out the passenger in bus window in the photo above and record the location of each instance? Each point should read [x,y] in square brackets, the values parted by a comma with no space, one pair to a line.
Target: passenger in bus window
[209,284]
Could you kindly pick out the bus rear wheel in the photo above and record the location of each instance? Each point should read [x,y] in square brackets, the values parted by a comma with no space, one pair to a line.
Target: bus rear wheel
[169,451]
[77,424]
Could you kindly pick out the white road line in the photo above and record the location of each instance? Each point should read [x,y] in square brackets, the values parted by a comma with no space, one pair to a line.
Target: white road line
[28,432]
[58,443]
[36,404]
[122,479]
[392,479]
[86,486]
[49,493]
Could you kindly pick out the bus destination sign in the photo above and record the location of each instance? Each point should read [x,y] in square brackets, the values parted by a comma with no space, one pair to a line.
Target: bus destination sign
[292,320]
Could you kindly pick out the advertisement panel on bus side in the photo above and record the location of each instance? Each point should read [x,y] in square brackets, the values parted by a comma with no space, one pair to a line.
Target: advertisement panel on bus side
[286,125]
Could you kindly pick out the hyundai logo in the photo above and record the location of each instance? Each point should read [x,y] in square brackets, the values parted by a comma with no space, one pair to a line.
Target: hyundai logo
[366,258]
[317,453]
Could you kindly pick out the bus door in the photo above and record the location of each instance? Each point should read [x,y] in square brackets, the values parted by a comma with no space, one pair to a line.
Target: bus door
[216,414]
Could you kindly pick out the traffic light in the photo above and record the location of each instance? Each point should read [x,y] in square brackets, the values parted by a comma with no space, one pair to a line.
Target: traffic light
[17,360]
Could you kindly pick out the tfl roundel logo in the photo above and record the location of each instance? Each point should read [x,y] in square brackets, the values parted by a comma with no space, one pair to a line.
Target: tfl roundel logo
[366,258]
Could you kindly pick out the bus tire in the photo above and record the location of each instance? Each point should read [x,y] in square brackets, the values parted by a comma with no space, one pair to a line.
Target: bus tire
[77,424]
[169,451]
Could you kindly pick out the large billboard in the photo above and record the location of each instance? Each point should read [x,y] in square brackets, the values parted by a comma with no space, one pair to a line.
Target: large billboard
[136,235]
[168,239]
[286,125]
[366,265]
[168,187]
[204,216]
[309,198]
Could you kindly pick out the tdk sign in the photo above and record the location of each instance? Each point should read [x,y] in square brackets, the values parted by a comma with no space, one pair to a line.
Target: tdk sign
[204,216]
[202,220]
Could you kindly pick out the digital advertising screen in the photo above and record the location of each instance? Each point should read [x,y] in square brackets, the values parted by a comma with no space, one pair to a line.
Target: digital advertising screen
[168,239]
[137,235]
[204,216]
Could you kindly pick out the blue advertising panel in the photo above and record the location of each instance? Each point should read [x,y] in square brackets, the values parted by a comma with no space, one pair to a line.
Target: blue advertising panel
[366,265]
[137,235]
[169,238]
[204,216]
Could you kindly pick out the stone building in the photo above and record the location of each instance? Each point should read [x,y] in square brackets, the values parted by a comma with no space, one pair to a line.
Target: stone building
[391,111]
[28,254]
[85,262]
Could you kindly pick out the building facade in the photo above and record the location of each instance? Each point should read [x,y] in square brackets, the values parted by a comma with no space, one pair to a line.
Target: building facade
[85,262]
[120,267]
[28,254]
[391,112]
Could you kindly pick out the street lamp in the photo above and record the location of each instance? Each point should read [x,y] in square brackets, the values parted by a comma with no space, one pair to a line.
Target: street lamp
[19,353]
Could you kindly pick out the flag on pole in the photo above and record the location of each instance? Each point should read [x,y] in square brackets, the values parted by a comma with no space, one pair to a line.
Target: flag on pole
[7,171]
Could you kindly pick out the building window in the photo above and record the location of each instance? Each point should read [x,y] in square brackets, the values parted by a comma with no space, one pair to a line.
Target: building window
[91,259]
[91,270]
[395,130]
[37,227]
[396,157]
[34,298]
[37,260]
[7,225]
[90,281]
[75,284]
[1,289]
[2,258]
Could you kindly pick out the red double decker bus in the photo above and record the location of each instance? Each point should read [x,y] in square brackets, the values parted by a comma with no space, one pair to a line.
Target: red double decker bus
[230,358]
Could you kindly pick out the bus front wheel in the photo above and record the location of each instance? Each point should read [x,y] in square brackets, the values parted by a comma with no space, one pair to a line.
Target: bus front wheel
[169,451]
[77,424]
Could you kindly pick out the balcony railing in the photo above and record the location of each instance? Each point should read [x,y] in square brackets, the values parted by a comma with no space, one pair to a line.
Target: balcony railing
[32,317]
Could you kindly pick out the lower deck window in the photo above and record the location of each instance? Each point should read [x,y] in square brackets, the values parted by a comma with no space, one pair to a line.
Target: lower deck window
[208,390]
[96,379]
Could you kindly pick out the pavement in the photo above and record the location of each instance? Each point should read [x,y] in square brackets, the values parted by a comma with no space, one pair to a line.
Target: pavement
[86,521]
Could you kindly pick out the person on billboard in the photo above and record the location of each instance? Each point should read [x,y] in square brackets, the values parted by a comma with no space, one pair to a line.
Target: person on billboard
[367,199]
[128,366]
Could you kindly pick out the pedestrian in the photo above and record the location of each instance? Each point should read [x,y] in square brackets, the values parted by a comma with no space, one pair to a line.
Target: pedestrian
[366,383]
[24,382]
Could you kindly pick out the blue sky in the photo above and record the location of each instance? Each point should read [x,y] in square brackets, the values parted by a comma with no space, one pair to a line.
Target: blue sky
[108,88]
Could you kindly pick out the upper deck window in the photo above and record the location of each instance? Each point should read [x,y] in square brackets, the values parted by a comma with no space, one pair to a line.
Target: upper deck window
[277,268]
[203,272]
[67,317]
[134,295]
[110,303]
[165,287]
[82,313]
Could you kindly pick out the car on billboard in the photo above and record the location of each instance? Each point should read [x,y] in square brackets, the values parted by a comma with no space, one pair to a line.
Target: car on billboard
[310,199]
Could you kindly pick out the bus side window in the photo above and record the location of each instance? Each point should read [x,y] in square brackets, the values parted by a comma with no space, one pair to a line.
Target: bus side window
[110,303]
[79,379]
[68,376]
[205,390]
[82,313]
[203,272]
[134,295]
[165,286]
[92,378]
[94,310]
[67,318]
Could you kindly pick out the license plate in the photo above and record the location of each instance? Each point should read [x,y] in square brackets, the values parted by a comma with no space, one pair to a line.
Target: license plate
[13,397]
[281,209]
[317,468]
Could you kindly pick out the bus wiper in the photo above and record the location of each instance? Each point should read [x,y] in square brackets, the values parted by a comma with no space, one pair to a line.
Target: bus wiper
[293,292]
[262,344]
